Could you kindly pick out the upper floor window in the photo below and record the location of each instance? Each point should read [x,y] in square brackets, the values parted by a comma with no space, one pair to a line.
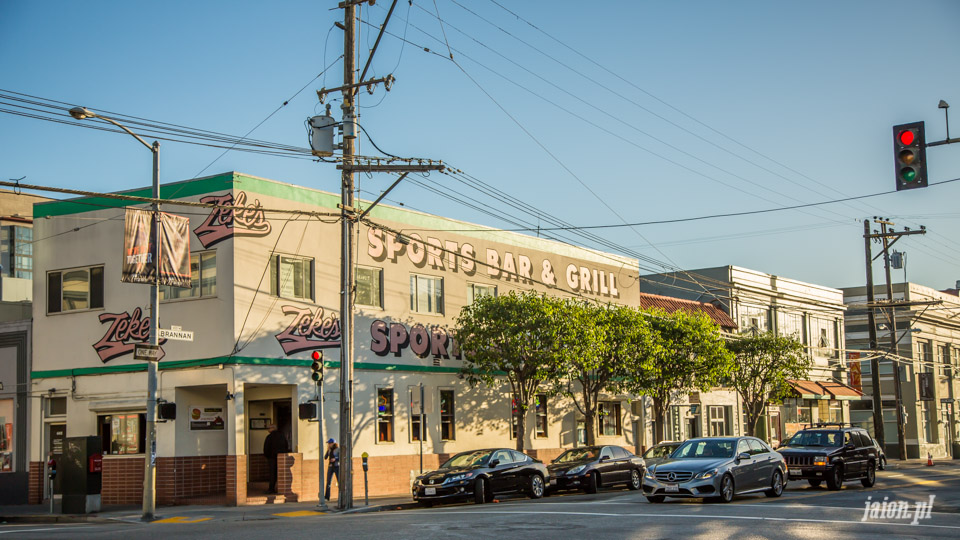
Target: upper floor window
[16,251]
[291,277]
[75,289]
[791,325]
[426,294]
[476,290]
[754,319]
[203,278]
[823,334]
[369,283]
[609,413]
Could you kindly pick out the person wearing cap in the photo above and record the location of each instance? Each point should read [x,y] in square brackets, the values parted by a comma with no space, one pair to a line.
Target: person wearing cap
[274,445]
[333,464]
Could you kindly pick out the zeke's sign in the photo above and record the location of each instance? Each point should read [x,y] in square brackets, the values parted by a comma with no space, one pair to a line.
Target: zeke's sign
[125,332]
[224,223]
[309,330]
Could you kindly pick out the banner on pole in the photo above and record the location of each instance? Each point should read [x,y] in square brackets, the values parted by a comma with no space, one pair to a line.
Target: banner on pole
[138,239]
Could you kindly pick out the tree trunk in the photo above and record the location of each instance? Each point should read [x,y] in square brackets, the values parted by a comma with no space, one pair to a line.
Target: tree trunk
[754,412]
[660,420]
[521,427]
[589,424]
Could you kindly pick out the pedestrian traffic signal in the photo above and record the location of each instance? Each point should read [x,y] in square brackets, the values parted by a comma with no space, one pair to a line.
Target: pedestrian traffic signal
[910,155]
[317,366]
[307,411]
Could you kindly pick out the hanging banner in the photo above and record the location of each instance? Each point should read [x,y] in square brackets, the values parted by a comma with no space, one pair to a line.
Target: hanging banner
[925,386]
[856,375]
[138,263]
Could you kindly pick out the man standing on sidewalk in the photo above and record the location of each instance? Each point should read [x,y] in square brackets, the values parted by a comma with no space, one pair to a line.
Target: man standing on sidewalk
[333,464]
[273,445]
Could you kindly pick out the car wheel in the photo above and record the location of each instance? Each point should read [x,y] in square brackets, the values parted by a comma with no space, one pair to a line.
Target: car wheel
[634,480]
[814,483]
[776,485]
[535,489]
[655,499]
[480,488]
[871,478]
[592,482]
[883,464]
[726,489]
[835,478]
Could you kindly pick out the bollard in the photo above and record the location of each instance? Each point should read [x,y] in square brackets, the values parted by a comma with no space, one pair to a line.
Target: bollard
[366,497]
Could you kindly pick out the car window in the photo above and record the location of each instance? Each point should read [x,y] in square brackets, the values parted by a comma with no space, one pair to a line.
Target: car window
[579,454]
[848,439]
[756,447]
[863,438]
[519,457]
[742,447]
[815,438]
[705,449]
[606,452]
[503,456]
[619,453]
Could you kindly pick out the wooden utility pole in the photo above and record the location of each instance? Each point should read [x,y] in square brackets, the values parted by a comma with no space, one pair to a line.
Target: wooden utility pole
[878,431]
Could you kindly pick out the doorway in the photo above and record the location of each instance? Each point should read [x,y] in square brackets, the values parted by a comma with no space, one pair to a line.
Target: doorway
[773,428]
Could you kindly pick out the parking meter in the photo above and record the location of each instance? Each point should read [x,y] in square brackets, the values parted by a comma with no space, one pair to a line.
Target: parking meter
[51,469]
[364,457]
[366,498]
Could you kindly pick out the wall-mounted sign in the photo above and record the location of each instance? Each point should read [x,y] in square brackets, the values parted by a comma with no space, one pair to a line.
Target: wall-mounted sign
[203,418]
[392,338]
[309,330]
[224,223]
[125,332]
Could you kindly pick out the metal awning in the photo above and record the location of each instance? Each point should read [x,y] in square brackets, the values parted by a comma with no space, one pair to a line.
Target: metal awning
[824,390]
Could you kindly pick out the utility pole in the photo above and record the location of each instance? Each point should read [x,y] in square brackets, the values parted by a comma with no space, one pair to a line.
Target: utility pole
[878,431]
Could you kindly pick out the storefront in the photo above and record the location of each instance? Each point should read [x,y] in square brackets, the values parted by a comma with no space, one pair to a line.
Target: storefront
[813,402]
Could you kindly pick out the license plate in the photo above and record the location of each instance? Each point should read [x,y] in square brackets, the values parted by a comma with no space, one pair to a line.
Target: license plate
[795,473]
[429,491]
[553,481]
[672,488]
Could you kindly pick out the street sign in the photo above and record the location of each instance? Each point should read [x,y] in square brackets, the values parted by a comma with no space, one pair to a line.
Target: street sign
[147,352]
[175,333]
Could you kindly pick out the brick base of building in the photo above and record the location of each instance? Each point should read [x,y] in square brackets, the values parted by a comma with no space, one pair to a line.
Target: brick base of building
[191,480]
[122,480]
[35,485]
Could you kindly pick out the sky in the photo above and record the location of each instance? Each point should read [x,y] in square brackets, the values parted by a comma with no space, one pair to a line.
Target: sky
[598,114]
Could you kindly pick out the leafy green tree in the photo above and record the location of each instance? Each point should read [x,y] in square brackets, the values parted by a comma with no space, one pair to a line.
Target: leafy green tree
[763,364]
[513,336]
[687,353]
[598,342]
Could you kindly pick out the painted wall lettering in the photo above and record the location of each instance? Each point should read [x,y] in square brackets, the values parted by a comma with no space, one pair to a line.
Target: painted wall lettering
[432,252]
[392,338]
[224,223]
[125,332]
[309,330]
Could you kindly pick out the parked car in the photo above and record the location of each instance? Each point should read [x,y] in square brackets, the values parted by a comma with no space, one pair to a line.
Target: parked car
[717,468]
[481,475]
[591,467]
[881,456]
[832,453]
[659,452]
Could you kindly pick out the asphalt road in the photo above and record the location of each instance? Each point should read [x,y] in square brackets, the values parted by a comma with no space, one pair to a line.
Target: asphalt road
[802,512]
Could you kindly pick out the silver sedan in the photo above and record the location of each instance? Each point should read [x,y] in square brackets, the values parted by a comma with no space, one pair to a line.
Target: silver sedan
[717,467]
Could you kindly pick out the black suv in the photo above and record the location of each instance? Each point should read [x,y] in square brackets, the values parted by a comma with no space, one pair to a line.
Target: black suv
[831,453]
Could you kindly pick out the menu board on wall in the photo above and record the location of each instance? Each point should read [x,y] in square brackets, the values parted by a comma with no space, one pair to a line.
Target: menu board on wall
[203,418]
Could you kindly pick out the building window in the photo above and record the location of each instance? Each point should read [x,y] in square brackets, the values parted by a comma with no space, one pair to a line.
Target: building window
[203,278]
[943,361]
[6,435]
[56,406]
[754,319]
[75,289]
[824,336]
[791,325]
[385,415]
[926,422]
[476,290]
[718,421]
[426,294]
[291,277]
[447,418]
[540,406]
[513,418]
[609,419]
[416,419]
[123,433]
[16,251]
[369,283]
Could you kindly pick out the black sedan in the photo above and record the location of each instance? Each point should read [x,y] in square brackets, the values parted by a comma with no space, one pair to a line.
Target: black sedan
[481,475]
[591,467]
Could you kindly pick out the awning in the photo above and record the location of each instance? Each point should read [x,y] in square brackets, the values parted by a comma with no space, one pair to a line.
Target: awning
[824,390]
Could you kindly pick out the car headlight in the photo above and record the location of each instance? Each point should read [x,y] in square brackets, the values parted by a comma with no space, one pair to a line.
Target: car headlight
[458,477]
[820,461]
[707,474]
[648,473]
[577,469]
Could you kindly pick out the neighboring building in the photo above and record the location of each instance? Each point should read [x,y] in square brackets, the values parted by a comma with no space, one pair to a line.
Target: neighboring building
[265,295]
[928,344]
[760,302]
[16,289]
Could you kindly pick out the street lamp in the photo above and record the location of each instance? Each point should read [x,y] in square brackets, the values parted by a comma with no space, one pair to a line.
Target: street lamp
[149,476]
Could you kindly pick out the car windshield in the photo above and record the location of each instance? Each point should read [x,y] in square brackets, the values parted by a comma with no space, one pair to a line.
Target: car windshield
[816,438]
[467,459]
[578,454]
[660,451]
[722,448]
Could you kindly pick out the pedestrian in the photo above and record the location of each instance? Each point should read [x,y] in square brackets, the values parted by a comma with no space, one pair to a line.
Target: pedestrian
[333,464]
[273,445]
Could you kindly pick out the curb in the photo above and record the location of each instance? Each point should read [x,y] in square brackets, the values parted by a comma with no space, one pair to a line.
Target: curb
[381,508]
[61,518]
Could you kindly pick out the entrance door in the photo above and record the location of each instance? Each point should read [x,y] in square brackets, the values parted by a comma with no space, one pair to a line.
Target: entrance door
[773,428]
[282,413]
[693,427]
[946,414]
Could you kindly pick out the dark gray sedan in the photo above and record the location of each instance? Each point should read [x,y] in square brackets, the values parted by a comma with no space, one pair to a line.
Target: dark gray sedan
[717,467]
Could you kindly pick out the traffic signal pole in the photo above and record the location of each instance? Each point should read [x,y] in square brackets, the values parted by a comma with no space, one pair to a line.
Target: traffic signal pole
[878,428]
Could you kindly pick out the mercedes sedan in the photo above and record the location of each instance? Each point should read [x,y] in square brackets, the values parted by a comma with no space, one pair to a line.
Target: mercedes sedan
[717,468]
[480,475]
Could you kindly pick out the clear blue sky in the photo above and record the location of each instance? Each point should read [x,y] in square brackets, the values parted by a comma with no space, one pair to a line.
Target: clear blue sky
[594,112]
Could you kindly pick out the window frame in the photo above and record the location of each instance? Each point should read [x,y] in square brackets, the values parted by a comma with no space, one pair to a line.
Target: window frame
[141,431]
[91,293]
[310,271]
[196,283]
[602,413]
[415,417]
[717,420]
[450,418]
[387,418]
[439,309]
[472,290]
[379,280]
[540,413]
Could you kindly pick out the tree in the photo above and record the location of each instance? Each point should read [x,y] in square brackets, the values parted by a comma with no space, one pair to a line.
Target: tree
[687,353]
[514,335]
[598,341]
[763,364]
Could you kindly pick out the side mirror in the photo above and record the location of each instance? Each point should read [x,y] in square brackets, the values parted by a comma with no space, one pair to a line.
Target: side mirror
[850,446]
[604,458]
[742,456]
[494,462]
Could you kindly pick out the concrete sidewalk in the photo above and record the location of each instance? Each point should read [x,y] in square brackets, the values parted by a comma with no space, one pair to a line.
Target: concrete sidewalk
[185,514]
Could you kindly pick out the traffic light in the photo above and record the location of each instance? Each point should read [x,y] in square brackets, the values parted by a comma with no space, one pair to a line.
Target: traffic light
[317,366]
[910,155]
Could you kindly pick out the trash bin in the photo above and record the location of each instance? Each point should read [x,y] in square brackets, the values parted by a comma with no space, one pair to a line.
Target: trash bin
[80,470]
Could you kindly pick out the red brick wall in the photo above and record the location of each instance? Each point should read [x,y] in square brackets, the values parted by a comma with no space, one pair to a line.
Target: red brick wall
[35,485]
[182,478]
[390,475]
[122,480]
[257,468]
[235,470]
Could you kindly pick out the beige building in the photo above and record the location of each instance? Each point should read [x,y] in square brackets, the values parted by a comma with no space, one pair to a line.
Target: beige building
[264,297]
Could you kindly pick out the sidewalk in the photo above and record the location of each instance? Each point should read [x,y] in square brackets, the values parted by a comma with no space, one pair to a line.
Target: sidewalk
[113,514]
[951,464]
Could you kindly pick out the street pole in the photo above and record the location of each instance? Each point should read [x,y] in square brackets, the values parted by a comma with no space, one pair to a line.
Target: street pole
[321,498]
[150,468]
[894,347]
[423,428]
[878,431]
[345,499]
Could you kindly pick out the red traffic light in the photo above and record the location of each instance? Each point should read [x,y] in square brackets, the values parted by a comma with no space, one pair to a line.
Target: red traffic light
[316,355]
[907,137]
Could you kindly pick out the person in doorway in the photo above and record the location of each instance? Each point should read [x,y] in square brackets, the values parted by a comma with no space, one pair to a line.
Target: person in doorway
[333,464]
[273,445]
